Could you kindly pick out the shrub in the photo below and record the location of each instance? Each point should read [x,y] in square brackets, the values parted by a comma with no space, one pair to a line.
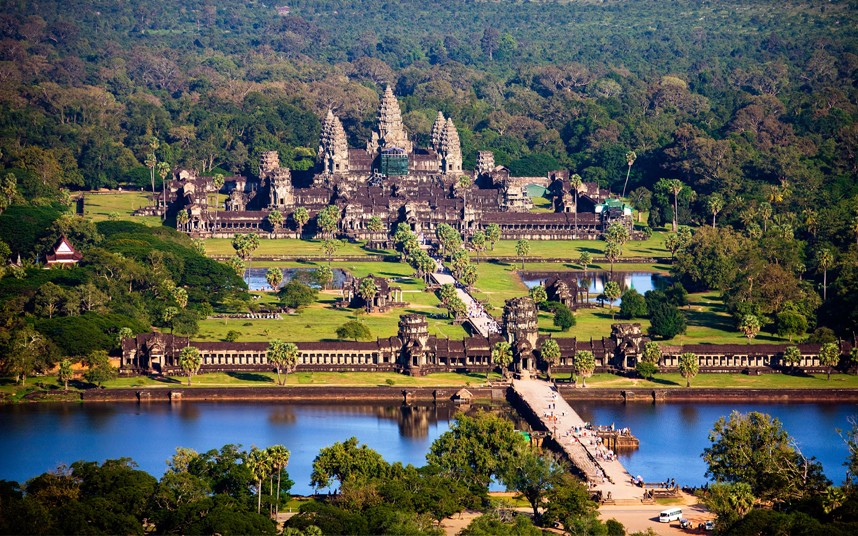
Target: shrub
[563,317]
[666,320]
[295,294]
[232,335]
[633,305]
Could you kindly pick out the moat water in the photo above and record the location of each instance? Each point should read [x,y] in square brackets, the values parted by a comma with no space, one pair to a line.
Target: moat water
[595,280]
[255,277]
[38,437]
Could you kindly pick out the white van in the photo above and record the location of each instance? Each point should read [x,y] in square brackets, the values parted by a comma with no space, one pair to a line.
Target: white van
[666,516]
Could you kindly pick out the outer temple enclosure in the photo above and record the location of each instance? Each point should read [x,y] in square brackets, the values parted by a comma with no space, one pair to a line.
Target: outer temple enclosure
[394,181]
[413,351]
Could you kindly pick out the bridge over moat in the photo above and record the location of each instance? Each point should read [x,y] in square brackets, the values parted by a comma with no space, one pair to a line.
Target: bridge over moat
[557,416]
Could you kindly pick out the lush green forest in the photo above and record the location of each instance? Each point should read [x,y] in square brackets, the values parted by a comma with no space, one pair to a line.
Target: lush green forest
[751,105]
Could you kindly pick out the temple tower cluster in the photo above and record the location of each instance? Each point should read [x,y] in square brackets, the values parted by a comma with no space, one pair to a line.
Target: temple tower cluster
[391,132]
[333,154]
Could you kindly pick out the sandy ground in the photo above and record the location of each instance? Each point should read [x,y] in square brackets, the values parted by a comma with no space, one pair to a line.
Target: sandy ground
[640,517]
[637,517]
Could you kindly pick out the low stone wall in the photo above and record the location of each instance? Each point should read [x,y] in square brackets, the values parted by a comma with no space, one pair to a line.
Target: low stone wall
[571,260]
[290,394]
[708,395]
[316,258]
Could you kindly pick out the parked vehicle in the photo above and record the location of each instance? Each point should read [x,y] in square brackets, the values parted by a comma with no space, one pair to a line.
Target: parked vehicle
[672,514]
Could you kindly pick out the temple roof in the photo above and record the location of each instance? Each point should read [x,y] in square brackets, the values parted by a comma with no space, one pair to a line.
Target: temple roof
[64,253]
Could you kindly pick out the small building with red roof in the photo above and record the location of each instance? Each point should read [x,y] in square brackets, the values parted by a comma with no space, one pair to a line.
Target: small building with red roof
[64,254]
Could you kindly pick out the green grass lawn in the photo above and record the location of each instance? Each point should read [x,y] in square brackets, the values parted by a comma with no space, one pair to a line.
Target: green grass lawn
[571,249]
[257,379]
[542,204]
[100,207]
[291,248]
[729,381]
[320,320]
[16,392]
[708,321]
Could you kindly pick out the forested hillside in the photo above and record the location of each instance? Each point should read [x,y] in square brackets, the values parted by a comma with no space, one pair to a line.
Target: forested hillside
[750,103]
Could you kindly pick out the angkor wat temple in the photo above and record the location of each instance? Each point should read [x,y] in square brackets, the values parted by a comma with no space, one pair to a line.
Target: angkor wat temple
[413,351]
[394,181]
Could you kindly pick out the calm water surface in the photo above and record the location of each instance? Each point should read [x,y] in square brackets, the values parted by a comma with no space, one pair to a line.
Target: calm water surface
[255,277]
[673,436]
[640,281]
[36,438]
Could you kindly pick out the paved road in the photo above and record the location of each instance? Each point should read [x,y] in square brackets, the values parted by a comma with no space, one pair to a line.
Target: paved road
[558,417]
[477,316]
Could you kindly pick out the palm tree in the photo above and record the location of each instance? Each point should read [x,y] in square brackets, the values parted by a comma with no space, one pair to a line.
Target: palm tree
[792,356]
[612,253]
[368,290]
[190,361]
[301,217]
[630,158]
[217,183]
[715,204]
[675,186]
[274,276]
[163,171]
[549,352]
[750,326]
[575,182]
[275,218]
[585,364]
[689,366]
[824,260]
[260,467]
[64,373]
[151,161]
[284,355]
[493,234]
[765,212]
[829,356]
[463,184]
[585,259]
[612,291]
[278,456]
[182,219]
[502,357]
[522,248]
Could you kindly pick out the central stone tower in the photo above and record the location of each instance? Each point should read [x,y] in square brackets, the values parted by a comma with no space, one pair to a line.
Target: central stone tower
[391,132]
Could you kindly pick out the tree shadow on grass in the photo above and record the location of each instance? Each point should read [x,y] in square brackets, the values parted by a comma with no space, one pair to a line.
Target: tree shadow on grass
[164,379]
[250,377]
[662,381]
[710,319]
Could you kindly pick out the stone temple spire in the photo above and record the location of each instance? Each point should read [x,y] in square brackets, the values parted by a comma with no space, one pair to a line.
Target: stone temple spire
[391,131]
[451,149]
[437,132]
[333,153]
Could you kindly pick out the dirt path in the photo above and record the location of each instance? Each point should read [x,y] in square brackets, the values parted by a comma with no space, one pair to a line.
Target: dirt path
[643,516]
[634,517]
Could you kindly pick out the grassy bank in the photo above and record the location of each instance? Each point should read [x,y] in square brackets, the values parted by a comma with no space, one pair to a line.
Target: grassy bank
[118,205]
[291,248]
[12,392]
[727,381]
